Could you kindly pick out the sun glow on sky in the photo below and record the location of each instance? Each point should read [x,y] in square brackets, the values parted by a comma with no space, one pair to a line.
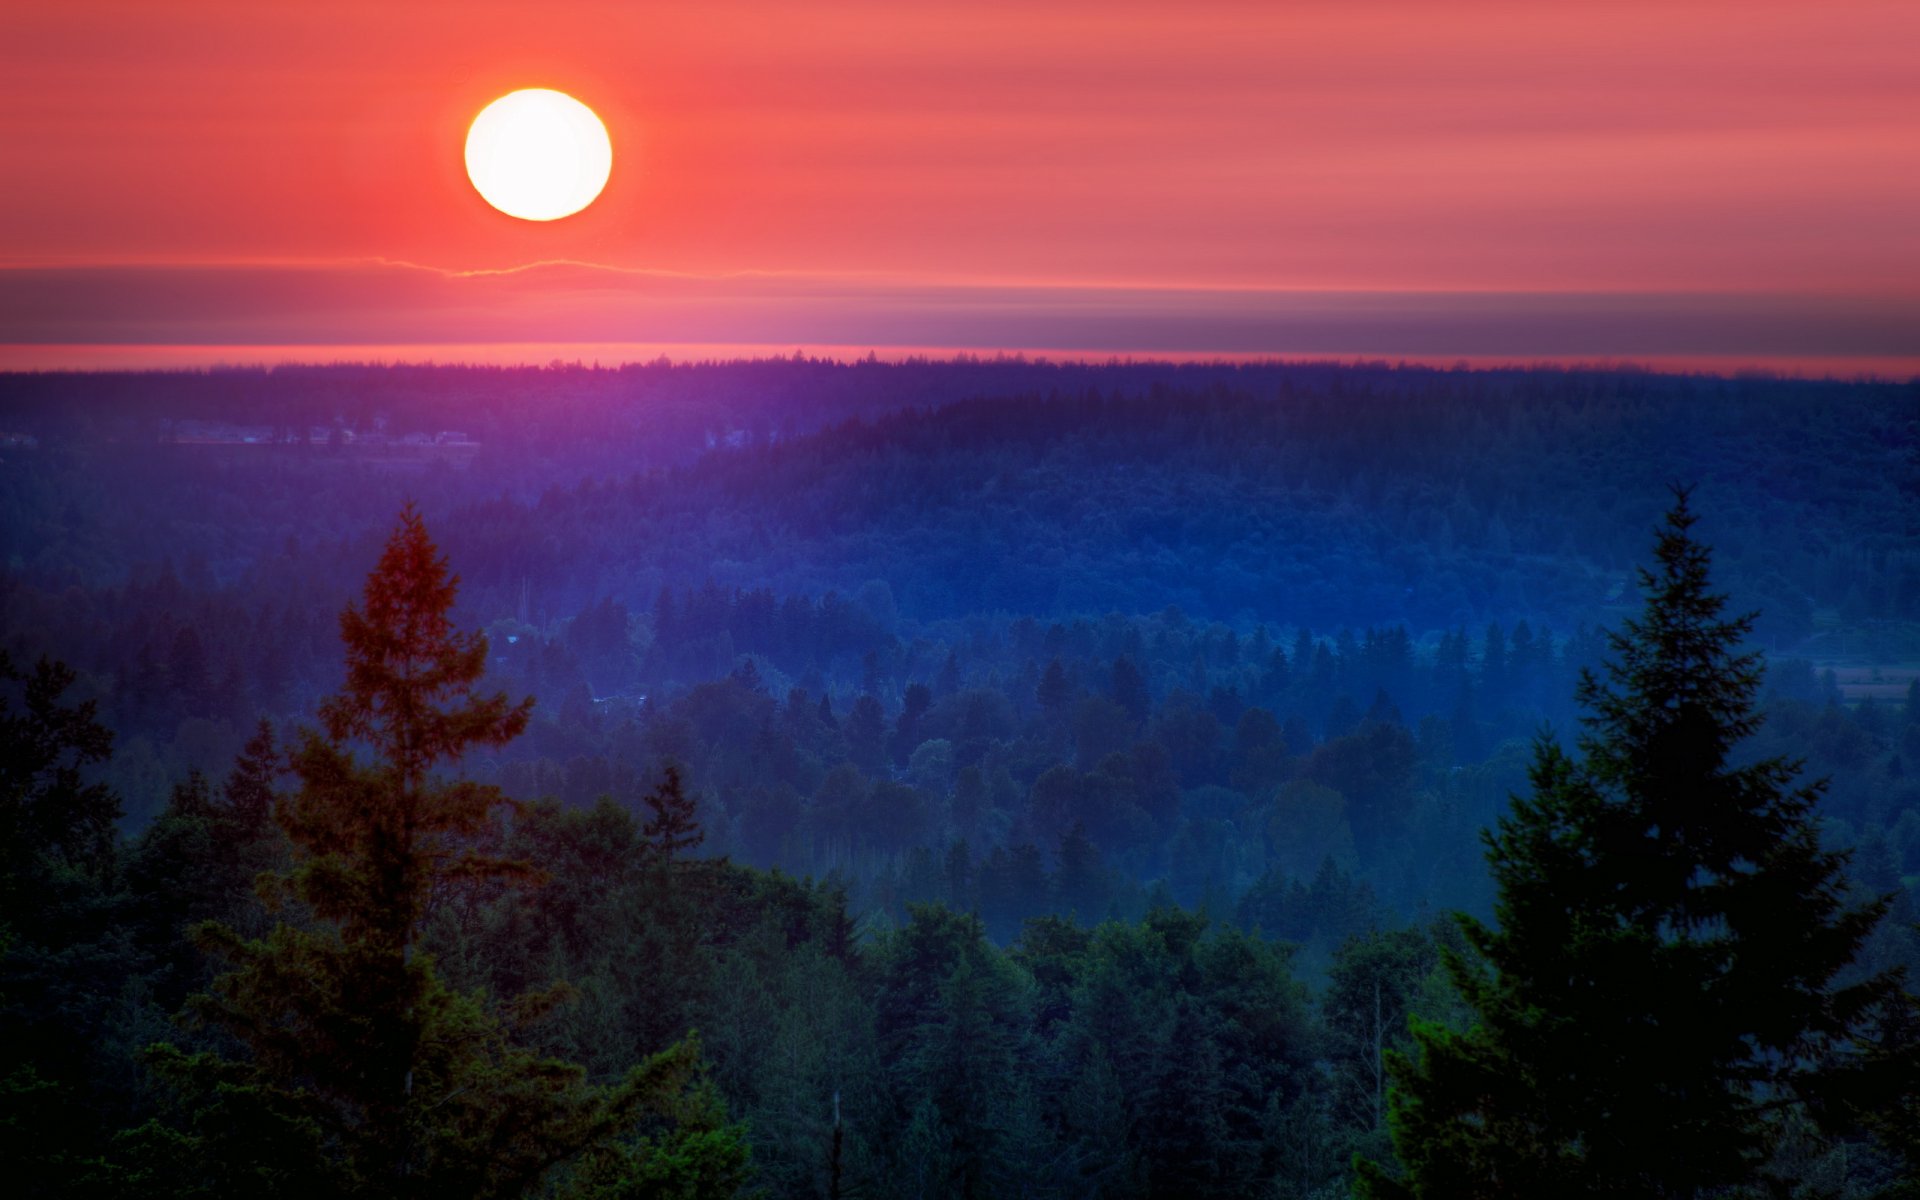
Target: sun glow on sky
[1222,175]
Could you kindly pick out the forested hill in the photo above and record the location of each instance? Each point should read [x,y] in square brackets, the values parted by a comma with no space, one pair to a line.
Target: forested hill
[186,541]
[1294,494]
[1049,778]
[1434,499]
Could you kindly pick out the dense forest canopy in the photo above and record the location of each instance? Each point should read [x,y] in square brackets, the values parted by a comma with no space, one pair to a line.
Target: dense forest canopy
[1027,778]
[1286,494]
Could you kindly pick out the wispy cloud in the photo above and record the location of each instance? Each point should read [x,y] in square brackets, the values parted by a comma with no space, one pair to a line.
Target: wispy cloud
[374,303]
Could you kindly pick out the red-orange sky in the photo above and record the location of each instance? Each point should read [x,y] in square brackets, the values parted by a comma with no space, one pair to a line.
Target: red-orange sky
[1341,177]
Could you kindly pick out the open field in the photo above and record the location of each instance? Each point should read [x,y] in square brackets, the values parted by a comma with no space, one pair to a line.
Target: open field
[1882,682]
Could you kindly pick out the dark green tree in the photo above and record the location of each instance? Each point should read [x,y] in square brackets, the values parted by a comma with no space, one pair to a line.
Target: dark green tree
[1130,689]
[1082,886]
[64,948]
[199,861]
[53,817]
[1054,694]
[362,1073]
[914,704]
[866,731]
[1196,1031]
[673,826]
[1661,985]
[1372,988]
[950,1017]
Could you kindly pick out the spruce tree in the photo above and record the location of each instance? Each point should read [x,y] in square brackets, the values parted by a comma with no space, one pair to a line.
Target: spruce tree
[1661,984]
[53,818]
[673,825]
[1054,693]
[64,951]
[362,1072]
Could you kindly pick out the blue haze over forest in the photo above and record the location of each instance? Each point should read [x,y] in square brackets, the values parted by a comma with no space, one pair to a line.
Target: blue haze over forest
[1240,659]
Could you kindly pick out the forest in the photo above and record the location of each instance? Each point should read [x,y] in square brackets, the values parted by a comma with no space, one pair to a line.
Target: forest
[975,778]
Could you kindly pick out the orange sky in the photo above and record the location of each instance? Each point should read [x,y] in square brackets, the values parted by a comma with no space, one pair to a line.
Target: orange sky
[976,174]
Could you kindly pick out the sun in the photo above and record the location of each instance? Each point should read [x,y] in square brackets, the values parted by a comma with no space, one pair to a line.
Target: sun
[538,154]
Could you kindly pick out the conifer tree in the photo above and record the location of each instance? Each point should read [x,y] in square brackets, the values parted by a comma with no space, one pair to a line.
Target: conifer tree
[63,949]
[673,827]
[1661,982]
[1055,691]
[199,861]
[52,816]
[1130,689]
[363,1073]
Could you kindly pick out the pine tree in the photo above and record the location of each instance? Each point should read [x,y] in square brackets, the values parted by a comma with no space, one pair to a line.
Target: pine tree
[52,817]
[673,826]
[64,950]
[907,737]
[364,1074]
[199,861]
[1130,689]
[866,731]
[1054,694]
[1081,886]
[1660,985]
[1372,986]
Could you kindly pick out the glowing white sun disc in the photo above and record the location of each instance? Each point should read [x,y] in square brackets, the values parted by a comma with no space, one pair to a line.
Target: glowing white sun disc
[538,154]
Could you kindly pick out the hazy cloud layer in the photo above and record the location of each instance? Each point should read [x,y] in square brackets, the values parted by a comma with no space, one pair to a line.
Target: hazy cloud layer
[377,304]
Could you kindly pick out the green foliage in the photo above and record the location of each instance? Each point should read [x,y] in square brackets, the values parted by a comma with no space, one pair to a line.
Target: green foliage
[1664,979]
[65,955]
[672,828]
[1375,984]
[1180,1035]
[199,861]
[361,1071]
[677,1144]
[970,733]
[375,839]
[53,818]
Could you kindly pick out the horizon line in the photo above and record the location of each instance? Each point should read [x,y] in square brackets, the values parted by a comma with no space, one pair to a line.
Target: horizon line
[209,358]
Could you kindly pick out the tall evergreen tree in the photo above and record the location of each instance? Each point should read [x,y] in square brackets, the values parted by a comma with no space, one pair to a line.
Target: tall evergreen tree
[866,731]
[1054,693]
[64,949]
[199,861]
[52,815]
[673,827]
[1372,986]
[363,1073]
[1662,981]
[1130,689]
